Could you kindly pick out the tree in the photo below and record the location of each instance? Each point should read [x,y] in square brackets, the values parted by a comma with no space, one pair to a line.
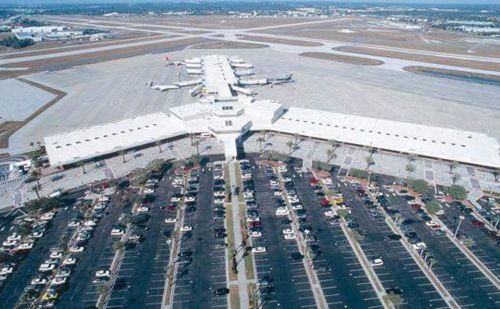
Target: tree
[117,245]
[196,143]
[138,176]
[453,165]
[496,173]
[466,241]
[455,177]
[290,145]
[82,165]
[35,189]
[35,173]
[296,139]
[457,192]
[433,207]
[357,235]
[260,141]
[342,213]
[156,166]
[122,153]
[419,185]
[331,155]
[410,168]
[232,256]
[158,143]
[394,299]
[369,162]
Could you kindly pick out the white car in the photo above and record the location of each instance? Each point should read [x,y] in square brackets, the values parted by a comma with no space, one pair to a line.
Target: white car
[59,281]
[419,246]
[56,255]
[297,207]
[255,234]
[294,199]
[170,220]
[102,274]
[290,236]
[9,243]
[69,261]
[75,249]
[45,267]
[175,199]
[39,281]
[143,209]
[287,231]
[273,182]
[63,273]
[327,181]
[36,234]
[190,199]
[74,224]
[14,237]
[47,216]
[219,200]
[90,223]
[440,212]
[7,270]
[117,232]
[186,228]
[282,211]
[259,250]
[329,214]
[25,246]
[253,219]
[149,190]
[282,169]
[376,262]
[277,193]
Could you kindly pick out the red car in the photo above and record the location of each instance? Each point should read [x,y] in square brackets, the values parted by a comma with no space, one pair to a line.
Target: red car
[313,181]
[477,223]
[325,203]
[171,207]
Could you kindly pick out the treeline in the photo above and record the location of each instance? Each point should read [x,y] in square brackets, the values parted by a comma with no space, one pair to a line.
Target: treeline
[14,42]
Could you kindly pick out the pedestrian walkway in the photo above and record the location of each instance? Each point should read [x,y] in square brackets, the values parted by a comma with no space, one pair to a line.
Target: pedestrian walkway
[242,276]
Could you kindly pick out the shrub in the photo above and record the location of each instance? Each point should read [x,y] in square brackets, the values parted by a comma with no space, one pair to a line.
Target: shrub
[457,192]
[418,185]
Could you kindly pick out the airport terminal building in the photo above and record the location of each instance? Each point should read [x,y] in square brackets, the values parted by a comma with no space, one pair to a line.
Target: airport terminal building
[228,111]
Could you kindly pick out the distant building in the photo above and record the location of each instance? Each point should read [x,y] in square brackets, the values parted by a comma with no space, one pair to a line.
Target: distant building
[44,29]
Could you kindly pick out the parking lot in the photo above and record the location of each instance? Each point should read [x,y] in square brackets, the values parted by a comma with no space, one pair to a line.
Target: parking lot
[201,263]
[486,245]
[142,273]
[13,287]
[343,280]
[462,279]
[81,291]
[399,270]
[290,284]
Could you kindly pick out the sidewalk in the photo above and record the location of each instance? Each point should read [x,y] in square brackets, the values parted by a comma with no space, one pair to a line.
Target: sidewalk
[242,276]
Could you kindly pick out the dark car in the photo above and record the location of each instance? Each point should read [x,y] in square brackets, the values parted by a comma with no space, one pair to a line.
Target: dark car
[221,291]
[393,237]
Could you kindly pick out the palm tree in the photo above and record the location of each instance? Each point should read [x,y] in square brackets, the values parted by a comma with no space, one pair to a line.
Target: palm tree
[158,143]
[122,153]
[410,168]
[35,189]
[412,158]
[260,140]
[232,257]
[394,299]
[331,155]
[197,144]
[82,165]
[35,173]
[432,262]
[369,162]
[372,151]
[455,177]
[496,173]
[290,145]
[453,165]
[296,138]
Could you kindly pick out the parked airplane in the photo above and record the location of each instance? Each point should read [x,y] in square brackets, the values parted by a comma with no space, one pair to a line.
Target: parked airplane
[172,62]
[281,80]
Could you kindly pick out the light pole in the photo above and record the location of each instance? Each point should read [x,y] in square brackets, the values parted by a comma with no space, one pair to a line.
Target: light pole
[458,226]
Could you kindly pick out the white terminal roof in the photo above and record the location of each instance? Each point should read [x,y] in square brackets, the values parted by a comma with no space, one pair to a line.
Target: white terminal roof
[218,75]
[228,117]
[454,145]
[111,137]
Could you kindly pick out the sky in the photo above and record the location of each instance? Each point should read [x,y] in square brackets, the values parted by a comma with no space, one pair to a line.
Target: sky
[333,1]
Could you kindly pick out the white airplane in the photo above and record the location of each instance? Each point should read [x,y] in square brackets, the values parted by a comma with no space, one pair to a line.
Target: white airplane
[172,62]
